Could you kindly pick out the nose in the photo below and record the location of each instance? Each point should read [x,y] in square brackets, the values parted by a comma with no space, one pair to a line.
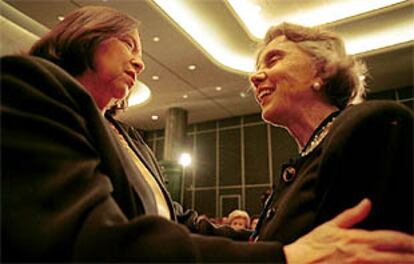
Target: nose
[258,77]
[138,64]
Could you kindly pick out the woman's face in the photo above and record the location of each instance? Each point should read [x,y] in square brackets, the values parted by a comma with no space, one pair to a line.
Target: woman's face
[239,223]
[283,81]
[117,62]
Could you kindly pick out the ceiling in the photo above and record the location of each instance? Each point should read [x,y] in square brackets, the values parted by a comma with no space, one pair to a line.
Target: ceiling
[196,90]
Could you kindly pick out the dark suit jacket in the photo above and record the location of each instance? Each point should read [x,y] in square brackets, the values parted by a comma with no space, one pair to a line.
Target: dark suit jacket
[71,192]
[189,217]
[368,153]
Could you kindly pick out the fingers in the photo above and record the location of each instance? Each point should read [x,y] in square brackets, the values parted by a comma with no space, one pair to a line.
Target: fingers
[385,257]
[382,240]
[393,240]
[354,215]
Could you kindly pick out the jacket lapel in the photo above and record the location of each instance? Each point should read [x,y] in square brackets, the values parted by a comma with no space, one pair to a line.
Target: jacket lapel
[141,149]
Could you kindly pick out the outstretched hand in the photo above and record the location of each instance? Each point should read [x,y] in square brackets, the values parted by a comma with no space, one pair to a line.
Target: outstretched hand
[335,242]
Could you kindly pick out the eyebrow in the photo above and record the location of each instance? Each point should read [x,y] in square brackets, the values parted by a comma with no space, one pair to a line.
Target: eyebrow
[134,41]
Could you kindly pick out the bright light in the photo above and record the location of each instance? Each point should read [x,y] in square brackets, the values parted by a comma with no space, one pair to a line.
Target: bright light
[140,94]
[205,35]
[185,159]
[154,117]
[192,67]
[377,38]
[323,13]
[257,20]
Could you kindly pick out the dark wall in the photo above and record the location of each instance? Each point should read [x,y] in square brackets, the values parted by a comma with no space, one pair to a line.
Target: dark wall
[235,160]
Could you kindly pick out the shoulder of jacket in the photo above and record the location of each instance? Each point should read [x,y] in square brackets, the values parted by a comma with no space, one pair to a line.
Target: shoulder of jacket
[372,112]
[366,118]
[27,63]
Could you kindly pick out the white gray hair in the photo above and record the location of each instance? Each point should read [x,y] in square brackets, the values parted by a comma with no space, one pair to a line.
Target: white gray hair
[343,75]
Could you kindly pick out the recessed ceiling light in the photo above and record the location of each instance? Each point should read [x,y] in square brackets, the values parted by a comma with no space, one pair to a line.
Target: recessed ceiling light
[155,117]
[218,88]
[60,18]
[155,39]
[155,77]
[192,67]
[185,96]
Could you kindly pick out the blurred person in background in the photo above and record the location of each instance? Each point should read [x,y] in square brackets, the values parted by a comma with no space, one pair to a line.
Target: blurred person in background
[254,220]
[76,188]
[239,219]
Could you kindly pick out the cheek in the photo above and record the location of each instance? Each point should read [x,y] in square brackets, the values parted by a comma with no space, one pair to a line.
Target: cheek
[108,65]
[108,72]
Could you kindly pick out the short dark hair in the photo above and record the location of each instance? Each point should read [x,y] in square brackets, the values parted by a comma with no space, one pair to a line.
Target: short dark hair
[71,44]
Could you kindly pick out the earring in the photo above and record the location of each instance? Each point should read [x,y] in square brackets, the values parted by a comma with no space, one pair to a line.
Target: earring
[316,86]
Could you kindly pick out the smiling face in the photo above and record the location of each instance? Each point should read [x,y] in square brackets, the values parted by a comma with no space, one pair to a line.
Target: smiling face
[283,81]
[117,62]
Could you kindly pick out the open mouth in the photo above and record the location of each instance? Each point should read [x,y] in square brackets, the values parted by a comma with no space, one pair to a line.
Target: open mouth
[131,80]
[264,93]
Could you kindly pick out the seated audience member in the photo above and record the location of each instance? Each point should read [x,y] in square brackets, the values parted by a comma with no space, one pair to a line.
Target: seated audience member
[239,219]
[253,222]
[75,187]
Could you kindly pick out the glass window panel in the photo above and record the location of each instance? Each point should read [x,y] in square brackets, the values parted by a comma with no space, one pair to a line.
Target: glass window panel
[256,154]
[230,157]
[283,148]
[229,122]
[254,204]
[205,160]
[229,199]
[206,125]
[205,202]
[254,118]
[159,149]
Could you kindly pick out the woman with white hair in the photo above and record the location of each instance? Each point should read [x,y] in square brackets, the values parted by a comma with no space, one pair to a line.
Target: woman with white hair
[306,83]
[239,219]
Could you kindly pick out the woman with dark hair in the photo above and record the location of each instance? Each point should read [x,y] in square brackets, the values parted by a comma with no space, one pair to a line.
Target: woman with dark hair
[75,187]
[306,83]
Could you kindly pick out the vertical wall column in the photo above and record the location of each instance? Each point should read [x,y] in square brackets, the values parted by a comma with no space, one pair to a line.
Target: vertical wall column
[175,129]
[174,143]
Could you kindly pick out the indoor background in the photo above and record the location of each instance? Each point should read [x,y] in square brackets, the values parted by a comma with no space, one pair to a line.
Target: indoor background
[198,54]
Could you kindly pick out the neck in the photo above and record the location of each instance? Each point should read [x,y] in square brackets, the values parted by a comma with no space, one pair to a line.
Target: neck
[92,86]
[307,121]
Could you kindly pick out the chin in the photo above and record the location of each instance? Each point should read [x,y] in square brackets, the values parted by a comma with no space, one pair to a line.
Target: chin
[271,117]
[120,93]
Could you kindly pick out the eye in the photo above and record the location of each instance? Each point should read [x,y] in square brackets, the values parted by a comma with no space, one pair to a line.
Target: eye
[273,59]
[129,43]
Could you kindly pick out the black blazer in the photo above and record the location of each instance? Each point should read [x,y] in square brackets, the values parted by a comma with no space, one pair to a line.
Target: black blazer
[368,153]
[71,192]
